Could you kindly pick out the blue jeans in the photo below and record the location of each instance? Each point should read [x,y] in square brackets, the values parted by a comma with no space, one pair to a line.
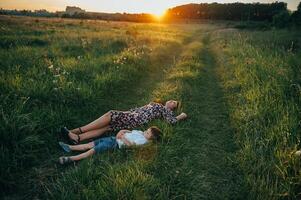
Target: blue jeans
[106,143]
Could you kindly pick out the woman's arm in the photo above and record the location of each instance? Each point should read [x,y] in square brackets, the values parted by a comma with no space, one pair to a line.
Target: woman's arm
[181,116]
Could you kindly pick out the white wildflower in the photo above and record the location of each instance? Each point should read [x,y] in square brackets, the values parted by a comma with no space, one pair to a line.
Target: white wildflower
[298,153]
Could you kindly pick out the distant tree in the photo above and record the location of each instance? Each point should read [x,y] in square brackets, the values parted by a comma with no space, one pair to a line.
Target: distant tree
[65,15]
[296,16]
[281,19]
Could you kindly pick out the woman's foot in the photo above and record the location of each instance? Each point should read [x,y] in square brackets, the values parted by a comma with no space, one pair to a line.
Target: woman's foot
[75,139]
[64,146]
[77,131]
[65,160]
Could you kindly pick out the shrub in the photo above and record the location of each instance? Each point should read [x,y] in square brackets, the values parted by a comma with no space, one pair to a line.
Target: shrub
[281,20]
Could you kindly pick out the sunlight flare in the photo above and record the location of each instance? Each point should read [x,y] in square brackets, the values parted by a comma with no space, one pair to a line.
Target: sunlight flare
[158,15]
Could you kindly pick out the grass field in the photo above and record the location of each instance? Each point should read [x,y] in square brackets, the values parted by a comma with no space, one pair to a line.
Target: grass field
[241,90]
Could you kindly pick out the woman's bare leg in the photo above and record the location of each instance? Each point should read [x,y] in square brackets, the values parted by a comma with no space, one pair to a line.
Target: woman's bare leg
[82,147]
[94,133]
[83,155]
[101,122]
[89,134]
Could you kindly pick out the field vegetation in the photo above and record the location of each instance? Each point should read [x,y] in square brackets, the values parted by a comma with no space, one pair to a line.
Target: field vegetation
[261,76]
[241,90]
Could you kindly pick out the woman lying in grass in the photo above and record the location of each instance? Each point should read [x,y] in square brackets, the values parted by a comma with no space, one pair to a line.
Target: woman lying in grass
[124,138]
[117,120]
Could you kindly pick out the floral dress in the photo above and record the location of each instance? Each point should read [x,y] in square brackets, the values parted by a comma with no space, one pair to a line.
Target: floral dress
[138,116]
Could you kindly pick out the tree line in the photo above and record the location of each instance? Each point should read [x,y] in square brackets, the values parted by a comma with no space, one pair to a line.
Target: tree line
[276,12]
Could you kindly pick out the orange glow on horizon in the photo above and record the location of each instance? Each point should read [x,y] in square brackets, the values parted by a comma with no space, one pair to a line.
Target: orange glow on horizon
[155,7]
[159,15]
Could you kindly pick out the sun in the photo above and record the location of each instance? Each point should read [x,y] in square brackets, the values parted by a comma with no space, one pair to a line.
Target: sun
[159,14]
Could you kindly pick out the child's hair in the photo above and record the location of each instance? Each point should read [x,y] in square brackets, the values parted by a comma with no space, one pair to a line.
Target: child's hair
[156,133]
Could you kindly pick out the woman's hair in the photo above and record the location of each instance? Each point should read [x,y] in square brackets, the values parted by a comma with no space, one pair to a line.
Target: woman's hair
[160,101]
[156,133]
[179,104]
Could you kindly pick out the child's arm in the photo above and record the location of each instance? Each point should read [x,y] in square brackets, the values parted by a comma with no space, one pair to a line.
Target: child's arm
[121,133]
[127,143]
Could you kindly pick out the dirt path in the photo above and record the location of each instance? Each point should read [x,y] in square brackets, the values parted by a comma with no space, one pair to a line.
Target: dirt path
[199,161]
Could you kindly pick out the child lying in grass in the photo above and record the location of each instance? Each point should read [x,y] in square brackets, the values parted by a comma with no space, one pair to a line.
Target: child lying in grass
[124,138]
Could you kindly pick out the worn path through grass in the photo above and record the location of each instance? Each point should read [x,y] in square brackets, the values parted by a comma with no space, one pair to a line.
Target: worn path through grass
[199,161]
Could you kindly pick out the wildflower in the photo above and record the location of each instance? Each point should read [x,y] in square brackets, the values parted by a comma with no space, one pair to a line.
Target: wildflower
[57,75]
[298,153]
[78,88]
[50,67]
[55,89]
[54,81]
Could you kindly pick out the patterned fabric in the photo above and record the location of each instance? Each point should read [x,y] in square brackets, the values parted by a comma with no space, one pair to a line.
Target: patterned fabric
[141,115]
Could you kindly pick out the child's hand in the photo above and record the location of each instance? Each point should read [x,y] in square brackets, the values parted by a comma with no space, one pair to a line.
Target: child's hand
[121,133]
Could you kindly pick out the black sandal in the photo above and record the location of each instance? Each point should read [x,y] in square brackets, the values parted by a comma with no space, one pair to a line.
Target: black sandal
[65,133]
[80,130]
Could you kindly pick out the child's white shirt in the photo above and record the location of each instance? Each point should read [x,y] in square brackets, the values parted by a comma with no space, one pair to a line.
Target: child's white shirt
[135,136]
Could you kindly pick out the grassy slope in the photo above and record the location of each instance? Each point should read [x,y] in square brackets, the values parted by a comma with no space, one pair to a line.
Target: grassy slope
[261,75]
[196,158]
[112,61]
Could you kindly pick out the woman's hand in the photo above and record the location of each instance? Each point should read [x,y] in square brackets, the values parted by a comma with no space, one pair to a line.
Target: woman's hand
[181,116]
[184,115]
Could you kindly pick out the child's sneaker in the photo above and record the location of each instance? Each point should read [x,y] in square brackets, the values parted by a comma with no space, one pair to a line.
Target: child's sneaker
[65,160]
[65,146]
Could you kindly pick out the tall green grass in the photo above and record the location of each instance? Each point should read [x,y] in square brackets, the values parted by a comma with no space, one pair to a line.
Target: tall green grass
[261,75]
[69,72]
[193,160]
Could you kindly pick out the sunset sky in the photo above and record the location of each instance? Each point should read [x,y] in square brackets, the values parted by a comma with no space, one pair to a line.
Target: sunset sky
[130,6]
